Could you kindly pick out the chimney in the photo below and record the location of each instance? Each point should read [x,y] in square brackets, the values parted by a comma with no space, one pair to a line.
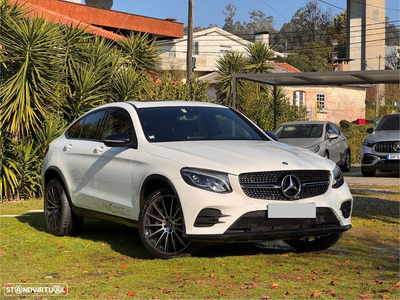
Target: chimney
[262,37]
[343,64]
[106,4]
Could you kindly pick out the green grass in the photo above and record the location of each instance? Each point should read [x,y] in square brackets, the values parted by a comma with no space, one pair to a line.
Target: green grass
[108,261]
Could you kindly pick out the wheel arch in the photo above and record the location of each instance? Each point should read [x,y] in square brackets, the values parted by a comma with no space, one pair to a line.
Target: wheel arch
[55,173]
[152,183]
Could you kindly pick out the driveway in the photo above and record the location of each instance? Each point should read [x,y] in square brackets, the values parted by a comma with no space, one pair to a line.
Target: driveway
[381,178]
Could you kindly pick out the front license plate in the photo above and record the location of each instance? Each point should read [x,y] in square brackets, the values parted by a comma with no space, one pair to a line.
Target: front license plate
[393,156]
[291,210]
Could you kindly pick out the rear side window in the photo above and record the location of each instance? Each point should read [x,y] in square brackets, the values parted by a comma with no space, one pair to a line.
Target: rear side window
[87,127]
[118,121]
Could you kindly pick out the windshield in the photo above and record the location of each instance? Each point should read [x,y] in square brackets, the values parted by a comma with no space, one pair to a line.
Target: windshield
[389,122]
[167,124]
[299,131]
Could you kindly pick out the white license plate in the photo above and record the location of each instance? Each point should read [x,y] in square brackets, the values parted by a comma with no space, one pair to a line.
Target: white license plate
[393,156]
[291,210]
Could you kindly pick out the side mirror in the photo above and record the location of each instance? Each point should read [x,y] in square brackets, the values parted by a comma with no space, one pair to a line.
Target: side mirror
[332,136]
[271,135]
[370,130]
[118,140]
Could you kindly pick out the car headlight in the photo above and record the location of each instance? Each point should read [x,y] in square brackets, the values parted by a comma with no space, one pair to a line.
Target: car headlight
[314,148]
[338,179]
[368,143]
[207,180]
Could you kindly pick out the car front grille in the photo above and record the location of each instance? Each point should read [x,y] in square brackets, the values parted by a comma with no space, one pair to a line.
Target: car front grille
[385,147]
[258,222]
[267,185]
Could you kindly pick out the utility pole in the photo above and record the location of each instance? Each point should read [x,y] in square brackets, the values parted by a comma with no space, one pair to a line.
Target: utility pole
[378,92]
[189,63]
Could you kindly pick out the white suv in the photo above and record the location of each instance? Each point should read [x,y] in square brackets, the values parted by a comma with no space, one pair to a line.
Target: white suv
[186,171]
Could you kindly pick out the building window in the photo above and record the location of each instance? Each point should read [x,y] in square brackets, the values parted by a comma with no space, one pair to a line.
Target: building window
[196,48]
[225,48]
[321,101]
[299,98]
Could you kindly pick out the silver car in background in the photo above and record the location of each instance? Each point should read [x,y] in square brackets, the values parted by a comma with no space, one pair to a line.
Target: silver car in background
[321,137]
[381,149]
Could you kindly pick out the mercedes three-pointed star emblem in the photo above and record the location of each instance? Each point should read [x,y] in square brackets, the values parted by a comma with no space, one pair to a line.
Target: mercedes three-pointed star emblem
[290,186]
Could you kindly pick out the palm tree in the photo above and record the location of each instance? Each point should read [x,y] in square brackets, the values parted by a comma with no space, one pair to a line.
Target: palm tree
[228,65]
[259,55]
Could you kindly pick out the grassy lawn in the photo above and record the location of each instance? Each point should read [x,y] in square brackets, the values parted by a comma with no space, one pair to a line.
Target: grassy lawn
[107,261]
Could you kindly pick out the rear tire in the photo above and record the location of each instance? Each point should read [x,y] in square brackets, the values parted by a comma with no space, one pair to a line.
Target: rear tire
[314,243]
[60,220]
[367,173]
[161,225]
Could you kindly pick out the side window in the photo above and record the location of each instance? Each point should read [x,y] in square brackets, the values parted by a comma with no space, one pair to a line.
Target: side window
[335,128]
[118,121]
[74,132]
[91,126]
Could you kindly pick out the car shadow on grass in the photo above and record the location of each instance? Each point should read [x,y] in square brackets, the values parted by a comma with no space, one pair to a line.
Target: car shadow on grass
[125,240]
[370,207]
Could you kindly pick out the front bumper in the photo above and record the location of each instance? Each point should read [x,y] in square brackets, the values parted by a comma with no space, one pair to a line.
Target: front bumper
[371,160]
[288,234]
[239,217]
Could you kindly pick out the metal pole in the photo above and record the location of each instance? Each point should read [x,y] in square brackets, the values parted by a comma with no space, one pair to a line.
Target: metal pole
[189,67]
[234,92]
[275,104]
[378,91]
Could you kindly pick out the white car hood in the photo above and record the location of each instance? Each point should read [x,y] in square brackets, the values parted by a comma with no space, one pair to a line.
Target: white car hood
[237,157]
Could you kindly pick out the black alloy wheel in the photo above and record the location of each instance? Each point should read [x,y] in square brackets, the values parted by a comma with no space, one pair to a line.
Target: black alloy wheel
[161,225]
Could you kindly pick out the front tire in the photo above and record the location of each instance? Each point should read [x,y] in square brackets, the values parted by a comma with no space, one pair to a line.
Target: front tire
[347,163]
[161,225]
[367,173]
[314,243]
[60,219]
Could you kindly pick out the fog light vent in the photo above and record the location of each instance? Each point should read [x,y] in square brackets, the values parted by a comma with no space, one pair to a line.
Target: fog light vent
[346,209]
[208,217]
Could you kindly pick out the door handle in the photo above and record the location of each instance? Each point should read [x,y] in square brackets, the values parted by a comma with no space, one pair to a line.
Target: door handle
[67,147]
[99,149]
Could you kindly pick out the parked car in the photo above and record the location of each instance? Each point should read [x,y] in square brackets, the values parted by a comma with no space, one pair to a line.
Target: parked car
[321,137]
[381,149]
[363,122]
[187,171]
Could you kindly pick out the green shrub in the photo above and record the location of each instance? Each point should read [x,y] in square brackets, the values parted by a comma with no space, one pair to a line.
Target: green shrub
[355,135]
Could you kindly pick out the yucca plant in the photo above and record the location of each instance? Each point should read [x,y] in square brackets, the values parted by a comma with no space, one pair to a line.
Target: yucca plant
[228,65]
[28,179]
[127,85]
[52,128]
[31,55]
[8,167]
[140,52]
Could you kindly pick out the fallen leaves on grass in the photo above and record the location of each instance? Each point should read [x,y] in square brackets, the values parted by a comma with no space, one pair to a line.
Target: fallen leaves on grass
[131,293]
[274,286]
[122,267]
[213,276]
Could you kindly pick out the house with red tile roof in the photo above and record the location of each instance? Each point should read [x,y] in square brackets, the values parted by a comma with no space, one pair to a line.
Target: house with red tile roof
[104,22]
